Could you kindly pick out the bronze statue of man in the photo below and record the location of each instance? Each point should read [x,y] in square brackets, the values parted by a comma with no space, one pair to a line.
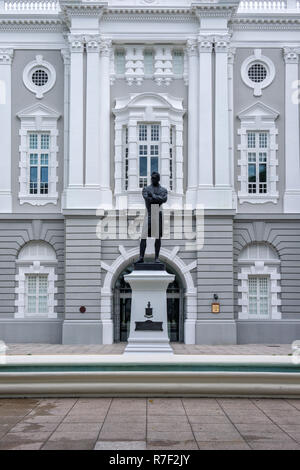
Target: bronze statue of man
[155,195]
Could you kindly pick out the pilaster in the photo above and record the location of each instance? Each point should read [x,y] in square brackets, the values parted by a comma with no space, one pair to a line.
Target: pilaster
[192,53]
[6,57]
[291,199]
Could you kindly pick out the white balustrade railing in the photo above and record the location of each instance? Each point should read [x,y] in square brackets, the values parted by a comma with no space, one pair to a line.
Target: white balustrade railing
[245,6]
[18,6]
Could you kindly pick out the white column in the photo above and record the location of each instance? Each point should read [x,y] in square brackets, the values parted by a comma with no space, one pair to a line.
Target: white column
[205,152]
[104,123]
[76,113]
[93,170]
[133,164]
[67,61]
[292,163]
[231,57]
[192,181]
[165,153]
[6,56]
[222,159]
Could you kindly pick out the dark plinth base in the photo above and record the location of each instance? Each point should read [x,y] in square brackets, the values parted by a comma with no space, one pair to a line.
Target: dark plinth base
[149,266]
[148,325]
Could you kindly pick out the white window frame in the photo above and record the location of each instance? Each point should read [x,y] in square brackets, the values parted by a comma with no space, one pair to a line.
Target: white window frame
[38,119]
[259,315]
[37,294]
[258,118]
[148,143]
[256,267]
[39,64]
[258,58]
[150,108]
[27,264]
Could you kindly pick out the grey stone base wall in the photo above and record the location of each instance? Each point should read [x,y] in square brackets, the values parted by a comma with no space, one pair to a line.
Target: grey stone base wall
[31,331]
[275,331]
[82,332]
[216,332]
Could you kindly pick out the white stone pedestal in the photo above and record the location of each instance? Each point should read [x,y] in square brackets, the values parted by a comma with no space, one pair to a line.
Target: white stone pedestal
[149,286]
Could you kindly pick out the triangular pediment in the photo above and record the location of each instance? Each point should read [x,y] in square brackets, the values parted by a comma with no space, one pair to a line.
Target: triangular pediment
[40,110]
[258,109]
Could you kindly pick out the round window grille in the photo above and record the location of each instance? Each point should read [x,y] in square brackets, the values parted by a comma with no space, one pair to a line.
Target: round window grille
[257,73]
[39,77]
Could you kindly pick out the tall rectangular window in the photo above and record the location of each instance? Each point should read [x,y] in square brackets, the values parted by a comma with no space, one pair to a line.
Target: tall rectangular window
[38,154]
[126,155]
[178,62]
[172,156]
[258,296]
[149,151]
[258,145]
[120,62]
[36,293]
[148,62]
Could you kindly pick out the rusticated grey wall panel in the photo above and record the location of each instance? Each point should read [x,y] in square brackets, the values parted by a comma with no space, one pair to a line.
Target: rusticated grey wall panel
[284,235]
[215,268]
[13,236]
[83,270]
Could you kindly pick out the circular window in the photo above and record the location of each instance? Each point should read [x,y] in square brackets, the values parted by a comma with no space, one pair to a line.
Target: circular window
[40,77]
[257,73]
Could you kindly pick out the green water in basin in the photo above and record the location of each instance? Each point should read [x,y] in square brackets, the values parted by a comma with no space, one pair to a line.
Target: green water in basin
[137,367]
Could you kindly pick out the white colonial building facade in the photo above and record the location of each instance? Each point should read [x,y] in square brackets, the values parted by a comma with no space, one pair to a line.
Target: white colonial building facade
[94,96]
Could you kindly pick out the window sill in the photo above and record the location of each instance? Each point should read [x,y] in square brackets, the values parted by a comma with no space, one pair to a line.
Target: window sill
[258,199]
[38,200]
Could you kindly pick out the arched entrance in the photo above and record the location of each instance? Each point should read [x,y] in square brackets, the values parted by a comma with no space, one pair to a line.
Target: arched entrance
[122,306]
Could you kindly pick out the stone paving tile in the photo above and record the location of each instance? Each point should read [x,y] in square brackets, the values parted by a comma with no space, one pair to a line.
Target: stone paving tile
[80,444]
[294,402]
[244,418]
[167,427]
[171,445]
[210,436]
[23,436]
[214,428]
[134,433]
[79,427]
[258,433]
[284,417]
[22,446]
[44,419]
[83,418]
[61,436]
[273,404]
[209,419]
[165,406]
[25,426]
[274,445]
[223,445]
[120,445]
[170,436]
[124,406]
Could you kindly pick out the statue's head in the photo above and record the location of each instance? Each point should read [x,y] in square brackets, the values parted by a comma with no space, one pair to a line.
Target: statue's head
[155,178]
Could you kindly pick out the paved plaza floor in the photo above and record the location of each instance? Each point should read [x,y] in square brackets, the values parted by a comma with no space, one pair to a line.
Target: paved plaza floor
[149,423]
[179,348]
[153,423]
